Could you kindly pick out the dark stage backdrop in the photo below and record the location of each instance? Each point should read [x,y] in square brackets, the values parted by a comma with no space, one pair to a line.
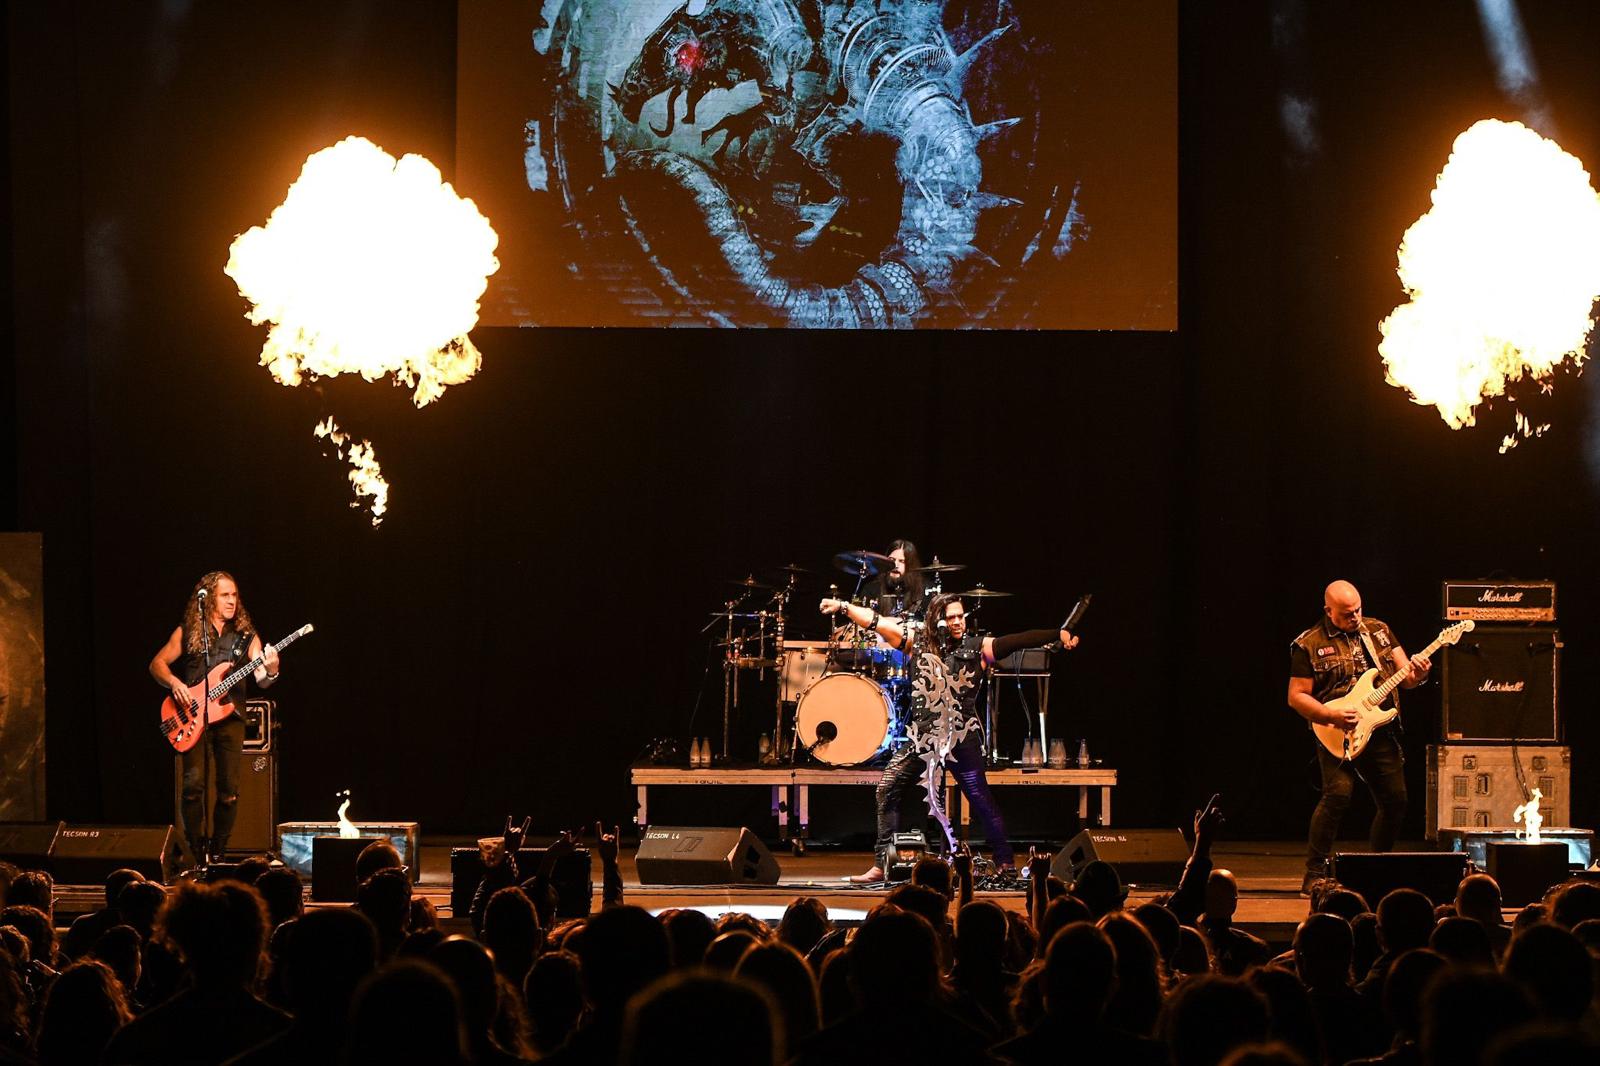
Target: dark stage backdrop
[527,617]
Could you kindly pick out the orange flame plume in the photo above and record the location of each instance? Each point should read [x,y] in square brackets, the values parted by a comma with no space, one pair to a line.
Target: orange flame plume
[1502,274]
[369,266]
[366,477]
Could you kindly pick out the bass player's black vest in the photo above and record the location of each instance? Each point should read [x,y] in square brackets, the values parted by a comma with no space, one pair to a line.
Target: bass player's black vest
[232,647]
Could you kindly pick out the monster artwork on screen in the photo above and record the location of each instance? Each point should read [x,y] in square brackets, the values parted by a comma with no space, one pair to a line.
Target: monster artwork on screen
[840,164]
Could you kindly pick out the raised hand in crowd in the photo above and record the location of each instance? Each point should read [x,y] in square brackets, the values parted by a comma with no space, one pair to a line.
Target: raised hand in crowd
[1208,822]
[516,834]
[1038,884]
[610,874]
[606,843]
[961,865]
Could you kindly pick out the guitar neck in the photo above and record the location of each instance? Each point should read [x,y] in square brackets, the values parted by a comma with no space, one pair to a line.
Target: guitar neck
[221,688]
[1393,682]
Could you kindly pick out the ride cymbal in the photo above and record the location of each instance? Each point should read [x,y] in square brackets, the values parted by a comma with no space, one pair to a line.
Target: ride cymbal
[871,563]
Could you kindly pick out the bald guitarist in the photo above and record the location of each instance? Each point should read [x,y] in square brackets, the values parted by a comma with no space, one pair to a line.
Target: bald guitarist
[1325,663]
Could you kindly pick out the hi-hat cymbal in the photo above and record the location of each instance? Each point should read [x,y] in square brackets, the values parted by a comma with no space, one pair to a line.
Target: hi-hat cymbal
[981,593]
[857,561]
[750,582]
[795,569]
[936,567]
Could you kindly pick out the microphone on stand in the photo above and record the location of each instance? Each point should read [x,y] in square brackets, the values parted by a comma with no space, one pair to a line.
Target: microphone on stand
[201,594]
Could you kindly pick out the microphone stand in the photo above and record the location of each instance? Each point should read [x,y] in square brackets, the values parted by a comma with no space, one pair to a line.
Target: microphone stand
[204,861]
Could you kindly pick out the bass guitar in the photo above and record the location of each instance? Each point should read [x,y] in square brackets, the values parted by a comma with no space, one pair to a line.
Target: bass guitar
[182,725]
[1367,697]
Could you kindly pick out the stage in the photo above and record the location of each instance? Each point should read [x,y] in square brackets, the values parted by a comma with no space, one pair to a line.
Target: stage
[1269,880]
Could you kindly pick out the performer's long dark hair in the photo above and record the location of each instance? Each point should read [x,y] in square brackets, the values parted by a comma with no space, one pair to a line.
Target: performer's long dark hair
[191,611]
[939,636]
[913,580]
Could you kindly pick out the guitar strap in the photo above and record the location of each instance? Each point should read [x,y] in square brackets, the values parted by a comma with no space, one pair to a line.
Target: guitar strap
[1372,657]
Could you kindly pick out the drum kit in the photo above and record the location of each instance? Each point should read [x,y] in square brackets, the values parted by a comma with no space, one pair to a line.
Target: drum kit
[841,701]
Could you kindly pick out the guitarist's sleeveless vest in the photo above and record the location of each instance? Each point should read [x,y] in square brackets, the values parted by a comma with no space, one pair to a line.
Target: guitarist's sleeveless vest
[233,647]
[1339,658]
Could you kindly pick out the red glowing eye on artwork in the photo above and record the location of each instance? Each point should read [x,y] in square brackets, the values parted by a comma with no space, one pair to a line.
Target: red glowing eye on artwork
[689,55]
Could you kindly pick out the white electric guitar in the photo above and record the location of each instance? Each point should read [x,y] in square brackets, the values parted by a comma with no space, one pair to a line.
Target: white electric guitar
[1367,697]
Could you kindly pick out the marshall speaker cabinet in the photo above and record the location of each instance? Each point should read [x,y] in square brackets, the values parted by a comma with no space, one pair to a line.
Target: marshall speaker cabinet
[1500,683]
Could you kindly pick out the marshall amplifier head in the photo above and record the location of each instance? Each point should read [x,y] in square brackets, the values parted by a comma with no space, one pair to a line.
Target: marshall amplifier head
[1500,601]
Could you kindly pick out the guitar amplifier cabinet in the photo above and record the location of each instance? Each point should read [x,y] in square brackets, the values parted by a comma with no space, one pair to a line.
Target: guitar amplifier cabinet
[1500,601]
[1475,786]
[1501,683]
[255,824]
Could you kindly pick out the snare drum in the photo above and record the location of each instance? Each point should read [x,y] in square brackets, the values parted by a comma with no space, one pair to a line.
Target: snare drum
[844,719]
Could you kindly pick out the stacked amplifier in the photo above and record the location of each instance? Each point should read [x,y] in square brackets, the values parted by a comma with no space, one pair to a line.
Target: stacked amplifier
[1500,716]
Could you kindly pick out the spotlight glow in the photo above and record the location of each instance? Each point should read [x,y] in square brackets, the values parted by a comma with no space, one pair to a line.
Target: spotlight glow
[1502,273]
[369,266]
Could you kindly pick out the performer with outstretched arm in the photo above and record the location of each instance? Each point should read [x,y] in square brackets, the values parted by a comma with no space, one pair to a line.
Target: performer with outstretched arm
[945,729]
[216,628]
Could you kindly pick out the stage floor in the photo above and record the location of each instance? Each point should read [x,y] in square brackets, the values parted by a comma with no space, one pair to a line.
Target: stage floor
[1269,876]
[1269,881]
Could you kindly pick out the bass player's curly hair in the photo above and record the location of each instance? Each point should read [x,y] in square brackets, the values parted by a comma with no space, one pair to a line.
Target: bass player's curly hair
[191,611]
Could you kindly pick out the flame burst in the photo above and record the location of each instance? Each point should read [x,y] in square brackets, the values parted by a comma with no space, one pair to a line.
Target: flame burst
[366,477]
[369,266]
[347,828]
[1503,272]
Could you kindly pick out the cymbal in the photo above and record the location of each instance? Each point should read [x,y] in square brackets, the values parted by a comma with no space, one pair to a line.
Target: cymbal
[857,561]
[793,569]
[750,583]
[936,567]
[981,593]
[731,614]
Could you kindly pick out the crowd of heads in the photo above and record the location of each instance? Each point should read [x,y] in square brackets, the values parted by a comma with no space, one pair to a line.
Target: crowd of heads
[1090,973]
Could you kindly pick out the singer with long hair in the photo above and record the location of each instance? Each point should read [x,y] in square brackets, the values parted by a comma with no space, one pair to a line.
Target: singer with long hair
[216,629]
[947,661]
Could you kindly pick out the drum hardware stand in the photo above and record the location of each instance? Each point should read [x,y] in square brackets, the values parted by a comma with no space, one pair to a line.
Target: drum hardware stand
[781,599]
[730,670]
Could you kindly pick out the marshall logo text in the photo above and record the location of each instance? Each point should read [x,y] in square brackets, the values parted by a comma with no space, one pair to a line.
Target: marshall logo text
[1491,685]
[1497,596]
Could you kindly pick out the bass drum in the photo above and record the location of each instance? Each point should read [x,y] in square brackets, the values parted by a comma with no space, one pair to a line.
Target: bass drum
[843,719]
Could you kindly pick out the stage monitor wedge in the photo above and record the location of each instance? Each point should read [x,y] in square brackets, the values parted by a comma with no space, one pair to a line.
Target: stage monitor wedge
[27,845]
[86,854]
[1375,874]
[1141,856]
[704,855]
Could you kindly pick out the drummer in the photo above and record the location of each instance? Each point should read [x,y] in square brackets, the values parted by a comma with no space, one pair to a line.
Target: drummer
[898,591]
[945,729]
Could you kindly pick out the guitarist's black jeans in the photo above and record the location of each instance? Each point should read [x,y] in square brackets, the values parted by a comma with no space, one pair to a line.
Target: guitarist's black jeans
[1382,766]
[226,741]
[902,783]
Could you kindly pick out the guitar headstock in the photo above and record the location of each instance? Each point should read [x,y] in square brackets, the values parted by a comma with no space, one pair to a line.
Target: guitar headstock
[1453,633]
